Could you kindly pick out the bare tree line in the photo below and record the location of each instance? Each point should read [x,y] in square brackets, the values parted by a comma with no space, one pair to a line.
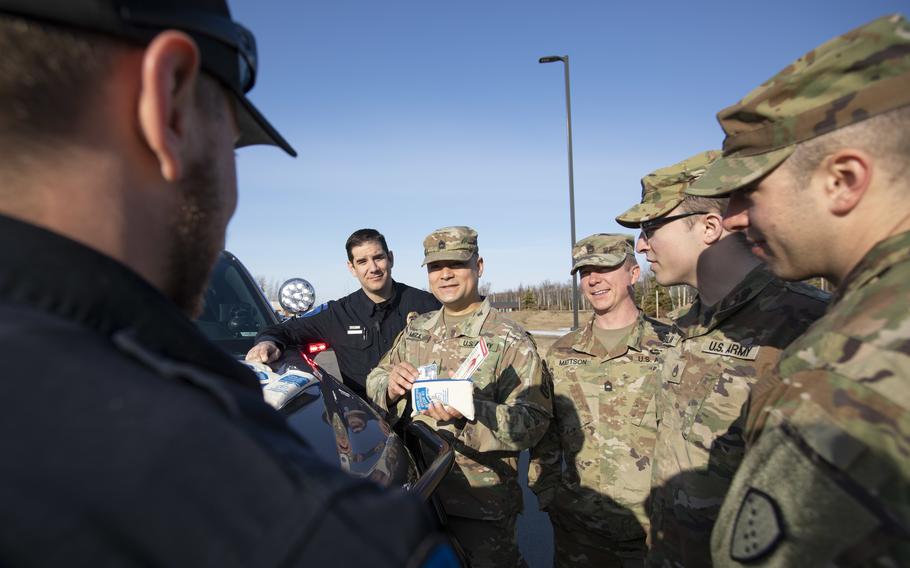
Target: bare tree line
[654,299]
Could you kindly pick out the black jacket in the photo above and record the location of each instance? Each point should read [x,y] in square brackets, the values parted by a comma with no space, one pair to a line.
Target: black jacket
[358,329]
[128,439]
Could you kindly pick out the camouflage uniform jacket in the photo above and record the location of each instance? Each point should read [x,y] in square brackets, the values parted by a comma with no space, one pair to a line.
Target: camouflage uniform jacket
[511,407]
[603,427]
[828,467]
[716,355]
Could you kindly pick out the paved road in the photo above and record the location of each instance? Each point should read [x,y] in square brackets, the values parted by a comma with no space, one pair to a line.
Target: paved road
[535,537]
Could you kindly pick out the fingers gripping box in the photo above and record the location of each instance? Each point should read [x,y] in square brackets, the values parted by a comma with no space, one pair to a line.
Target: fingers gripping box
[457,392]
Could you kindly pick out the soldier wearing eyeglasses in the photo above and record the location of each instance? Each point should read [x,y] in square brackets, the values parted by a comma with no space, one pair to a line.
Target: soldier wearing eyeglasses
[715,352]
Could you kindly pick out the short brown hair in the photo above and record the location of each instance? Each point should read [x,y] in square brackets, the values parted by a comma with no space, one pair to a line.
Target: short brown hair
[48,75]
[693,203]
[363,236]
[885,136]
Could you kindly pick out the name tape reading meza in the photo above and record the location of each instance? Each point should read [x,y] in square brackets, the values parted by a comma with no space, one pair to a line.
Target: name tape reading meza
[457,391]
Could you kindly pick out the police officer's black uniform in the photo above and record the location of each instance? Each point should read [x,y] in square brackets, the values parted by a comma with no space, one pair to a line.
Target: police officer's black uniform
[358,329]
[128,439]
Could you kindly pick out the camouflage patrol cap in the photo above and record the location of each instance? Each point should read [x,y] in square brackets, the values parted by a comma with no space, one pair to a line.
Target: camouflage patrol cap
[602,249]
[850,78]
[450,243]
[664,189]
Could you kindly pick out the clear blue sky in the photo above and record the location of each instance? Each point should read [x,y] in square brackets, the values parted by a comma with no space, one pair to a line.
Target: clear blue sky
[413,115]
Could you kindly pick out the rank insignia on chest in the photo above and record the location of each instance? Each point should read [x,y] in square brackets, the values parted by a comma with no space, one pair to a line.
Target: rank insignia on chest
[608,386]
[672,339]
[731,349]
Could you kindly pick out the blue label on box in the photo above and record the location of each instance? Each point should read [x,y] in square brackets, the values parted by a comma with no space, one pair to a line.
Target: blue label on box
[421,398]
[298,380]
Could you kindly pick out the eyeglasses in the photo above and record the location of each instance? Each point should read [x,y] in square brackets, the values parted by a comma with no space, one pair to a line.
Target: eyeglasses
[648,227]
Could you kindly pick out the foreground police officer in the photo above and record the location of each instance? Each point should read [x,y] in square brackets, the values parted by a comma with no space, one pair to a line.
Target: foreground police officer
[733,333]
[128,438]
[481,495]
[604,380]
[820,188]
[361,326]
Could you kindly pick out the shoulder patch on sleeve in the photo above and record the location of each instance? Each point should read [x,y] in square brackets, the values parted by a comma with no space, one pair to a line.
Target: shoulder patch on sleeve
[316,310]
[757,529]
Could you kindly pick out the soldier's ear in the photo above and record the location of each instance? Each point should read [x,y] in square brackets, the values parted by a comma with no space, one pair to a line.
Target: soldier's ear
[713,227]
[847,175]
[479,266]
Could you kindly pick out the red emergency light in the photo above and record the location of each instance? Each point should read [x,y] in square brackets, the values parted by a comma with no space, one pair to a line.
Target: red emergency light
[319,347]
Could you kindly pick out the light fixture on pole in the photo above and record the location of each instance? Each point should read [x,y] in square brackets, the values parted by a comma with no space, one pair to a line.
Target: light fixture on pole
[565,60]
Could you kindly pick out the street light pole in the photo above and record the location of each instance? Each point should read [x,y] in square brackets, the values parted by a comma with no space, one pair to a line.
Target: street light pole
[565,60]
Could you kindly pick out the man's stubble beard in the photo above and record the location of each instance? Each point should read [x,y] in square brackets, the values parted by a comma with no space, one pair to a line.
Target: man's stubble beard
[198,237]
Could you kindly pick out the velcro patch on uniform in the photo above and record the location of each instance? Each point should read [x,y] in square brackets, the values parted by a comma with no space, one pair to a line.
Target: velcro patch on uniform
[418,336]
[354,330]
[672,339]
[758,529]
[731,349]
[573,361]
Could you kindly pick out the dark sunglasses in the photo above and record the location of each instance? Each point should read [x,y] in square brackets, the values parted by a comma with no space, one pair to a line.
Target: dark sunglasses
[648,227]
[213,26]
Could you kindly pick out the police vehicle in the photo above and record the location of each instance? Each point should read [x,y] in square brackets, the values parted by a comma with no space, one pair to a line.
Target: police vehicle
[343,428]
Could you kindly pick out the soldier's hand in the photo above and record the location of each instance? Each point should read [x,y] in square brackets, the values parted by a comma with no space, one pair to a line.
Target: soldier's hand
[264,352]
[400,378]
[442,412]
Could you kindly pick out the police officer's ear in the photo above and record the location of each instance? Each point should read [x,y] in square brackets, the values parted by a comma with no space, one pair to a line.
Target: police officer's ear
[391,258]
[170,72]
[713,227]
[846,175]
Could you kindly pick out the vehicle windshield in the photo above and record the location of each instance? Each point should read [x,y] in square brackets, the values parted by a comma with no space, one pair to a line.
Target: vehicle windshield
[235,310]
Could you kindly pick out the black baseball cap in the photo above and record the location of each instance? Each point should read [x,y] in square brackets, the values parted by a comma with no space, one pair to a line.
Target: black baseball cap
[227,49]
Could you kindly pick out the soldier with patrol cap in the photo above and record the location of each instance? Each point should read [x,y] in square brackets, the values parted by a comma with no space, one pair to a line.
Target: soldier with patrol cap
[604,378]
[815,163]
[128,438]
[718,348]
[481,495]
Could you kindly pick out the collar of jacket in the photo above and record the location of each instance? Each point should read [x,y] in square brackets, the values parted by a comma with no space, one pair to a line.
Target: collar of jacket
[469,327]
[48,272]
[699,320]
[881,257]
[367,306]
[588,343]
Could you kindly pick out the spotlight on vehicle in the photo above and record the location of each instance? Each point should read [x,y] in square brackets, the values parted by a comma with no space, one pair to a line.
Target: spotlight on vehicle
[296,296]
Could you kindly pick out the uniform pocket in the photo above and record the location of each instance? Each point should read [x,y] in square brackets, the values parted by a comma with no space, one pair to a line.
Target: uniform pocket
[714,421]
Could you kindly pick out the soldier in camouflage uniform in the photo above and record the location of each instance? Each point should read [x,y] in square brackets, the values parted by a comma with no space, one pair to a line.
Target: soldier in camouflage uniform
[481,495]
[604,378]
[734,332]
[817,160]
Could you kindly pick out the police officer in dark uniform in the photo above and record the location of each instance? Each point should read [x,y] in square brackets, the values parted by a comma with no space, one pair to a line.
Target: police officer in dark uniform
[128,439]
[361,326]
